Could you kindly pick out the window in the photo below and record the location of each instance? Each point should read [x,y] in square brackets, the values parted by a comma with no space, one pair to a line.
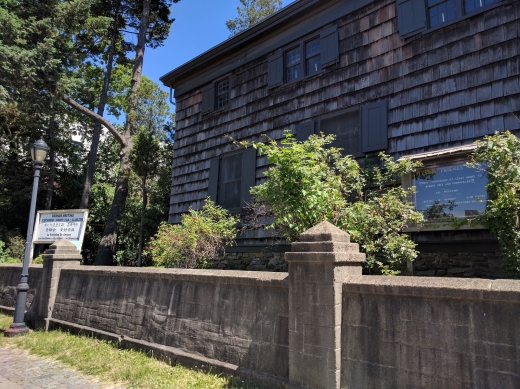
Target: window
[358,130]
[295,68]
[293,65]
[440,11]
[215,96]
[415,16]
[231,177]
[312,57]
[304,58]
[223,94]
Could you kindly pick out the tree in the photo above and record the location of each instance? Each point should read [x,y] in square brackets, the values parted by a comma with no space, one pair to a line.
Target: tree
[149,184]
[144,163]
[498,156]
[124,16]
[309,182]
[252,12]
[37,48]
[150,11]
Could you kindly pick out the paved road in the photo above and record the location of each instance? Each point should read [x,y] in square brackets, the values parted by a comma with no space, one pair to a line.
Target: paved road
[19,370]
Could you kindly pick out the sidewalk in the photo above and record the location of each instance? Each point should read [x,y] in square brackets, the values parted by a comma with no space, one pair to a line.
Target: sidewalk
[19,370]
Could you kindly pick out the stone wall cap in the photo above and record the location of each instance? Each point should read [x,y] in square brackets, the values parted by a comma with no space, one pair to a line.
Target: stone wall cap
[325,232]
[63,244]
[435,287]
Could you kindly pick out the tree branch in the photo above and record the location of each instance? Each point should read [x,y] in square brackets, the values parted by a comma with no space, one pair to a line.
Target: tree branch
[94,116]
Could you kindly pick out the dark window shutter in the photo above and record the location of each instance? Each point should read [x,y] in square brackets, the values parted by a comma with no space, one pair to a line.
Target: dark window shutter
[208,98]
[213,178]
[374,126]
[329,46]
[304,130]
[275,69]
[411,17]
[248,174]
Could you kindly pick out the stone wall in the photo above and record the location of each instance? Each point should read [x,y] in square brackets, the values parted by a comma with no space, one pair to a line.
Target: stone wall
[409,332]
[322,325]
[10,277]
[237,317]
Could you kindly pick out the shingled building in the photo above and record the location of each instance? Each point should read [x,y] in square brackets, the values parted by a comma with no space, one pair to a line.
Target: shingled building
[418,78]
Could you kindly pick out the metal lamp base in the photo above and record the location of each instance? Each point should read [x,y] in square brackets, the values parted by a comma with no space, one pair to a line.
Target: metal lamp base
[16,329]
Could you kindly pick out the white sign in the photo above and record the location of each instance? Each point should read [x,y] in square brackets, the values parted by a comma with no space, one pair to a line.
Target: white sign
[52,226]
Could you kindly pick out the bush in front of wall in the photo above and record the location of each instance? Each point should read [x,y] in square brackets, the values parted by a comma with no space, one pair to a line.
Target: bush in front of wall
[309,182]
[4,253]
[196,241]
[498,156]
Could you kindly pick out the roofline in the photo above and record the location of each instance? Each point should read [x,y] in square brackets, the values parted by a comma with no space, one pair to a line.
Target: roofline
[242,39]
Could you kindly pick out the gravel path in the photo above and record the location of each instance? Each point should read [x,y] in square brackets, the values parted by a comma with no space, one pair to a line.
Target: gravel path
[20,370]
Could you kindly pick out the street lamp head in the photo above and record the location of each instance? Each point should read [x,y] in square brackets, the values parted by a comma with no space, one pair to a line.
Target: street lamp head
[39,151]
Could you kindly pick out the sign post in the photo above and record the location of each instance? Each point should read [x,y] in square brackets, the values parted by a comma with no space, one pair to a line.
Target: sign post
[53,225]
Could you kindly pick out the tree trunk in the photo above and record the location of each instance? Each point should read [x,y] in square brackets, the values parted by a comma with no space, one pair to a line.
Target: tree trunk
[141,227]
[94,145]
[52,164]
[108,241]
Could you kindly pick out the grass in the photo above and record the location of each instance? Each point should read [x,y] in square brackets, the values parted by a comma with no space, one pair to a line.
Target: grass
[101,359]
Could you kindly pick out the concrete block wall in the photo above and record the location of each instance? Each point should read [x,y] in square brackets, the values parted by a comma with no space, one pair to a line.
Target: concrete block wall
[10,277]
[322,325]
[237,317]
[428,333]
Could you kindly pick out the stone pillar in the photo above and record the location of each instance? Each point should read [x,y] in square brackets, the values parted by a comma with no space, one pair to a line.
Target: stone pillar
[318,264]
[61,254]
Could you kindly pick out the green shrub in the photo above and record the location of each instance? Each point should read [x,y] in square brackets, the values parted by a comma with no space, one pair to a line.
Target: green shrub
[499,156]
[309,182]
[377,220]
[196,241]
[4,253]
[16,244]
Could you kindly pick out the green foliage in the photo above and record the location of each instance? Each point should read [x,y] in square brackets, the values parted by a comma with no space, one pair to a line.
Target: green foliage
[196,241]
[252,12]
[16,245]
[144,153]
[4,253]
[309,182]
[499,156]
[377,220]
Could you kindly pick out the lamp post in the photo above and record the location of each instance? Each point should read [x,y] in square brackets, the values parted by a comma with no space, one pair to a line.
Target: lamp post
[39,151]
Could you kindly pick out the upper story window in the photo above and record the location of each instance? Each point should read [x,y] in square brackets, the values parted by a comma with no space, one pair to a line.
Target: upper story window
[416,16]
[223,94]
[293,64]
[471,5]
[312,56]
[215,96]
[442,11]
[295,68]
[304,58]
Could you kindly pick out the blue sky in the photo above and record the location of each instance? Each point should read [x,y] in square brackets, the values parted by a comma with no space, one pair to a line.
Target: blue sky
[199,25]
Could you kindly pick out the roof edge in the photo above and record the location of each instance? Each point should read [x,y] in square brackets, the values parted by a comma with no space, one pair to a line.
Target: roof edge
[267,25]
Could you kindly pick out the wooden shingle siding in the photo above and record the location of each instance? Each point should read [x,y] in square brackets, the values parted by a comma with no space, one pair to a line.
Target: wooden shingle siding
[443,88]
